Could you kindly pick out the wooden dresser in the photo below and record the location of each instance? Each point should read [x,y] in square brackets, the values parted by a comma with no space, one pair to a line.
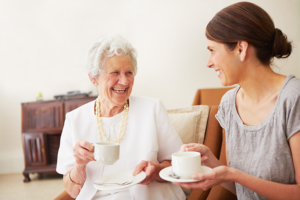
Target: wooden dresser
[42,124]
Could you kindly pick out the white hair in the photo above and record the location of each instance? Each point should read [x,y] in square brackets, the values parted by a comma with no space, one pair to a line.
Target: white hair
[107,47]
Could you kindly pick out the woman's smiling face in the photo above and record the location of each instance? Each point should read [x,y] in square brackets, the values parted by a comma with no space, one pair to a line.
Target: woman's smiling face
[116,82]
[225,62]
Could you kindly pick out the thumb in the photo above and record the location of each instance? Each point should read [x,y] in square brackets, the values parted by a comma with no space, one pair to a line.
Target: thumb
[196,177]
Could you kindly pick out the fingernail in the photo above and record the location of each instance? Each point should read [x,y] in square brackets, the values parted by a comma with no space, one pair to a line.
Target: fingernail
[195,176]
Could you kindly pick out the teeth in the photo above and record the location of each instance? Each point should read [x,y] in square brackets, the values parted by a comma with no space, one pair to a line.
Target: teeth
[119,90]
[218,72]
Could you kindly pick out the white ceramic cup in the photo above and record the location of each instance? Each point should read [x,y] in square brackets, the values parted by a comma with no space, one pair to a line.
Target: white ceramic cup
[106,153]
[185,164]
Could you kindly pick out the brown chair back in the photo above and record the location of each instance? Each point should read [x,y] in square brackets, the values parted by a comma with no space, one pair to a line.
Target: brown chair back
[213,140]
[210,97]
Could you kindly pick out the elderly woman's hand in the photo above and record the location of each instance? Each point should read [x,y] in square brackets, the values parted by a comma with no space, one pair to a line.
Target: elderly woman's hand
[82,152]
[152,170]
[207,180]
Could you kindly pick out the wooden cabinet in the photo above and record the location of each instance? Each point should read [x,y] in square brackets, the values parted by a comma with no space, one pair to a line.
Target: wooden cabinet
[42,124]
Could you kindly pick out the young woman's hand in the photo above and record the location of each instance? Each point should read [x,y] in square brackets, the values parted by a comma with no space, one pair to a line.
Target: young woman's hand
[209,179]
[202,149]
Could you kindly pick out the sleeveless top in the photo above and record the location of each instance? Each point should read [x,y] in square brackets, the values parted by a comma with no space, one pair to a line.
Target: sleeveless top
[262,151]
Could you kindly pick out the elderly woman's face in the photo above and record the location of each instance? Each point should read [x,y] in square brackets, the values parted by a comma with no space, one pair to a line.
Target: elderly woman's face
[115,83]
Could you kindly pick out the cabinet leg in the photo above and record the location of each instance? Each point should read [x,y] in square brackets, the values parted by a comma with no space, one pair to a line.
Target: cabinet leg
[26,177]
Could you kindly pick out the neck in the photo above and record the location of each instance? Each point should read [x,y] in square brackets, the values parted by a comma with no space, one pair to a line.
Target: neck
[260,83]
[107,109]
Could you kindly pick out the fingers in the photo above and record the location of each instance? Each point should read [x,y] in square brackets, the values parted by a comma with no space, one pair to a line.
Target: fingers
[204,185]
[150,171]
[206,181]
[140,167]
[195,147]
[86,145]
[184,147]
[82,152]
[203,158]
[149,168]
[85,154]
[189,185]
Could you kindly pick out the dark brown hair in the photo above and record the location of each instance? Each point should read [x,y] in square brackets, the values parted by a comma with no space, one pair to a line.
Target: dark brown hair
[246,21]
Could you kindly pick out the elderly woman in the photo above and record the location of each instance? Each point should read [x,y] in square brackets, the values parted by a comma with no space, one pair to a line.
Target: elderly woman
[261,116]
[147,138]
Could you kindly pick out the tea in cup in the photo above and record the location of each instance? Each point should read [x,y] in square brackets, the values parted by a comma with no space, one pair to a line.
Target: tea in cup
[185,164]
[106,153]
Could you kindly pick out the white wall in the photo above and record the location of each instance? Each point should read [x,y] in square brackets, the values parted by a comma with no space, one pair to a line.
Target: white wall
[43,44]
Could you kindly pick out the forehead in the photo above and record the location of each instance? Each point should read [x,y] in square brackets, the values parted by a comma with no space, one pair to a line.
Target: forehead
[212,44]
[118,63]
[217,46]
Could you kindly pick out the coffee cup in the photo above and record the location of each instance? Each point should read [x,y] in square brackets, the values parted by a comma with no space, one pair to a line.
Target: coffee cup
[185,164]
[106,153]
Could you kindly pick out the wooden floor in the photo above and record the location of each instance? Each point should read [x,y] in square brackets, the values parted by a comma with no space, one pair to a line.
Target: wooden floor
[41,187]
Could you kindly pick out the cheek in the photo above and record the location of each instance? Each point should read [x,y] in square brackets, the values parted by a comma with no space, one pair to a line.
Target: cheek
[216,59]
[131,81]
[110,81]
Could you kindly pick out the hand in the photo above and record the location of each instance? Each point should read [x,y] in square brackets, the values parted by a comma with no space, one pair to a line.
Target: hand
[202,149]
[82,152]
[150,168]
[207,180]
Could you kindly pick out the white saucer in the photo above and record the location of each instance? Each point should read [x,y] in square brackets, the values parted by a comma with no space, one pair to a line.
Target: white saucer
[119,177]
[165,174]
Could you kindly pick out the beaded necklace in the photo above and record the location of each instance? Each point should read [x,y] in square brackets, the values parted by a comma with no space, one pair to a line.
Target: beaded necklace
[99,123]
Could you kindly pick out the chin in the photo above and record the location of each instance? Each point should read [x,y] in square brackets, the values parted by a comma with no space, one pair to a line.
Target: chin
[120,102]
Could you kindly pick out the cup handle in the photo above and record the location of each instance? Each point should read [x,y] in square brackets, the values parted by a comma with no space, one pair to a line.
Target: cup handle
[94,148]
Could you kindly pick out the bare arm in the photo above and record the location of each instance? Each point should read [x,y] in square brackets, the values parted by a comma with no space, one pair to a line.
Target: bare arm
[272,190]
[267,189]
[74,179]
[78,176]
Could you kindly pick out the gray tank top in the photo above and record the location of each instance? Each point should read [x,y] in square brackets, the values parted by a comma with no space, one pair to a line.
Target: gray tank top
[263,150]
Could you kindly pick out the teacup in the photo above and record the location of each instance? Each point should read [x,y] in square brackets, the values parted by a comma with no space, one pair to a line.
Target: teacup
[106,153]
[185,164]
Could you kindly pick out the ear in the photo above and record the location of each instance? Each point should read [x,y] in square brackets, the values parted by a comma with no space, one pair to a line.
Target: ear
[93,80]
[242,47]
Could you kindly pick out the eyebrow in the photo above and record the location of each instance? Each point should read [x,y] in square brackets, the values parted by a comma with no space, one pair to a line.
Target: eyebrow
[209,48]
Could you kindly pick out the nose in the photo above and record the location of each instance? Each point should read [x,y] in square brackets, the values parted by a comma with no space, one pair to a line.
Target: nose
[209,63]
[123,79]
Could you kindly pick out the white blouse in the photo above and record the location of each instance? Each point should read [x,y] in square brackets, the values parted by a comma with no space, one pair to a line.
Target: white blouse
[149,136]
[111,127]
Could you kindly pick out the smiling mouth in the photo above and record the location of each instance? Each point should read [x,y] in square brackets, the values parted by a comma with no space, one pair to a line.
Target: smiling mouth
[117,90]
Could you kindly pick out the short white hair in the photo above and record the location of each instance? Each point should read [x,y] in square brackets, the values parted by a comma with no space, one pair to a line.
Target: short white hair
[107,47]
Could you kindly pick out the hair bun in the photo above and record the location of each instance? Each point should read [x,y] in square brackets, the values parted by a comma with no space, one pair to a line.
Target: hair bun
[282,48]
